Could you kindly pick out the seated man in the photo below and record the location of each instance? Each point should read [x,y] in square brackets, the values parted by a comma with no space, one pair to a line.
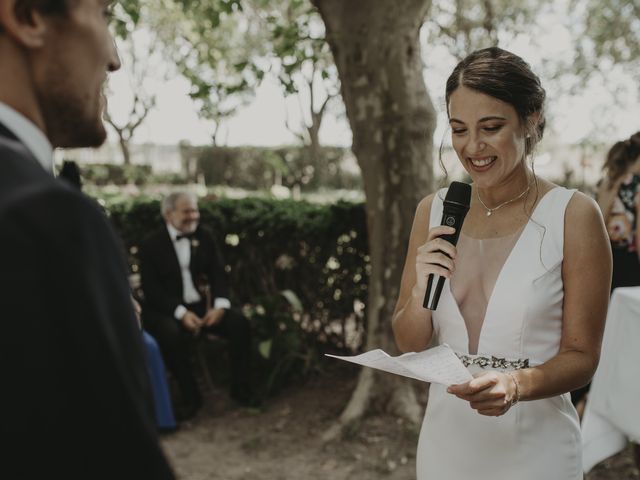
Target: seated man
[181,270]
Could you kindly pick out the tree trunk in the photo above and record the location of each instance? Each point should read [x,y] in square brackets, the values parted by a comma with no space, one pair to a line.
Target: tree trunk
[314,138]
[377,52]
[124,147]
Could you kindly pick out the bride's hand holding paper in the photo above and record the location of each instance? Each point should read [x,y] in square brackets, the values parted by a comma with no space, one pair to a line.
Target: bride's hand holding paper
[437,365]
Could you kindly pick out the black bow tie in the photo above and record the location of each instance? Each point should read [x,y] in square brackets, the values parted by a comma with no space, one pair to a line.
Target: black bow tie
[188,236]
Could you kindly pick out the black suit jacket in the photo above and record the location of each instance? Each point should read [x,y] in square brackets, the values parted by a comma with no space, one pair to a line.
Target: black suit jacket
[75,399]
[160,274]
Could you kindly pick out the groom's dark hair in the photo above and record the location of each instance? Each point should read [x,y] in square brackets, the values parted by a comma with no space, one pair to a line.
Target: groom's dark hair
[47,7]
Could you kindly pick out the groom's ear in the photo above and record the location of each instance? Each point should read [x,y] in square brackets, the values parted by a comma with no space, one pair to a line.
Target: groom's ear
[23,23]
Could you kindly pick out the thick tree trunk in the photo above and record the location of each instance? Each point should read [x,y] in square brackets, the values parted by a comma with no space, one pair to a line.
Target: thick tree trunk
[377,52]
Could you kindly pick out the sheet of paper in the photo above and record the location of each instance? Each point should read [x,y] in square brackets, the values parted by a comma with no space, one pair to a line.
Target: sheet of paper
[381,360]
[438,364]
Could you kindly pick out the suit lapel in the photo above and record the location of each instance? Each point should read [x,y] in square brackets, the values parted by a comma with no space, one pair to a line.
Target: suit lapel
[9,135]
[194,245]
[169,252]
[5,132]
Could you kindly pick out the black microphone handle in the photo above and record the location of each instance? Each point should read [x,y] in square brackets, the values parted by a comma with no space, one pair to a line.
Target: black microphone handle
[452,215]
[436,294]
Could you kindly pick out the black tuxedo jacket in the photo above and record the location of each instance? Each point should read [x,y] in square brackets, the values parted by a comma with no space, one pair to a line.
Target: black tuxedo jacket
[75,399]
[160,274]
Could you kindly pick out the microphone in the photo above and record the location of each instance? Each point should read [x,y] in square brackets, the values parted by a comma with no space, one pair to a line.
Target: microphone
[456,206]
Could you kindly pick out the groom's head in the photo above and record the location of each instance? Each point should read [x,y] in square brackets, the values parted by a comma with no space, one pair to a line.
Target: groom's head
[55,58]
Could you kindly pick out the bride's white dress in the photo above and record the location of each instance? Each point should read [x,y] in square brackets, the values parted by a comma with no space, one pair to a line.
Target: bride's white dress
[503,310]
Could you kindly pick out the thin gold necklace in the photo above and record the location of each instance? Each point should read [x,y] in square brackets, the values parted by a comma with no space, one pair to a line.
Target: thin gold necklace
[491,210]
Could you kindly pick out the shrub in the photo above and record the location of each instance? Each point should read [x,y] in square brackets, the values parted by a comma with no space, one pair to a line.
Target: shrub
[106,173]
[258,168]
[298,270]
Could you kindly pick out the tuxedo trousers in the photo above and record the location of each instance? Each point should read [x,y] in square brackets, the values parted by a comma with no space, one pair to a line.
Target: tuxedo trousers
[177,345]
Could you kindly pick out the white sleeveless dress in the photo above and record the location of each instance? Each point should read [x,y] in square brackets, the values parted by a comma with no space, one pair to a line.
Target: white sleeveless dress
[534,440]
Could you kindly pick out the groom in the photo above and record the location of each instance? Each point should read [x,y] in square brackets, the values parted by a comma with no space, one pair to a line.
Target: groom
[75,399]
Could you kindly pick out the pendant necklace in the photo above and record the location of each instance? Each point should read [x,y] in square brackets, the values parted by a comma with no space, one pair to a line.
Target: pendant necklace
[491,210]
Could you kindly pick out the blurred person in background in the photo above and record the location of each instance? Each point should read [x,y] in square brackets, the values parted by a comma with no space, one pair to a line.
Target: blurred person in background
[619,199]
[186,293]
[618,196]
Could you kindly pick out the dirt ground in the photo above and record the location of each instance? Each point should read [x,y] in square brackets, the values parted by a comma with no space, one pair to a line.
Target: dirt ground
[618,467]
[283,441]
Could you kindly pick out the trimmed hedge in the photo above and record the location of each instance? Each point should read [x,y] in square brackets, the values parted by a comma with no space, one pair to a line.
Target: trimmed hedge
[257,168]
[299,271]
[106,173]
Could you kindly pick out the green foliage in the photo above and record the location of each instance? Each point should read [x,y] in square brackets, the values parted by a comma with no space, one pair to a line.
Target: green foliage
[611,30]
[215,48]
[297,40]
[225,48]
[125,15]
[108,173]
[287,352]
[256,168]
[213,10]
[466,25]
[298,270]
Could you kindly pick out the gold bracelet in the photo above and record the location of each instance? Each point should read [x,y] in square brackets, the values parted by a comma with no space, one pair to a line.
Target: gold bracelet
[516,398]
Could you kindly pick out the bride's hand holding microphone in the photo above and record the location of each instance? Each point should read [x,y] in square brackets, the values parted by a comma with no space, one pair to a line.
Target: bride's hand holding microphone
[436,256]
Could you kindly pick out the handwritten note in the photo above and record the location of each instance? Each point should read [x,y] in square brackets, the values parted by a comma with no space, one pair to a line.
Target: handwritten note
[438,365]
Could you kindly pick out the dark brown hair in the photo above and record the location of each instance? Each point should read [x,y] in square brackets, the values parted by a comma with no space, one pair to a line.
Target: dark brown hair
[507,77]
[47,7]
[620,156]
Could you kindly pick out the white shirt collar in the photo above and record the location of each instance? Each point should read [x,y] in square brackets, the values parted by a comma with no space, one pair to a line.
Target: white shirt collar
[31,136]
[173,232]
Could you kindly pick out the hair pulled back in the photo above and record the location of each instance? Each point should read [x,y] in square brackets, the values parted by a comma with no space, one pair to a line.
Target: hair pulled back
[506,77]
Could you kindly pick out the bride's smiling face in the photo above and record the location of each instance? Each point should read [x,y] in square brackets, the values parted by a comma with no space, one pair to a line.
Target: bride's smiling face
[487,135]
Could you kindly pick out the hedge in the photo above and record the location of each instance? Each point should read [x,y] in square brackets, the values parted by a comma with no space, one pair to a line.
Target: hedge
[257,168]
[299,271]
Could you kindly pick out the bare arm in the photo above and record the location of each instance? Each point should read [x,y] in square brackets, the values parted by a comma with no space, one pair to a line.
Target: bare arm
[586,274]
[412,325]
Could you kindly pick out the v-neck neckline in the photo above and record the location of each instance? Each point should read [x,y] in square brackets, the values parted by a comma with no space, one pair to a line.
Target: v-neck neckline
[490,301]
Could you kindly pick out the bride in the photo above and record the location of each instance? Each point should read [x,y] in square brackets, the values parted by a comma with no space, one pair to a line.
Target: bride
[526,296]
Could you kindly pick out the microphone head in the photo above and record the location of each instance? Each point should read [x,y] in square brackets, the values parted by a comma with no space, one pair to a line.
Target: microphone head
[459,193]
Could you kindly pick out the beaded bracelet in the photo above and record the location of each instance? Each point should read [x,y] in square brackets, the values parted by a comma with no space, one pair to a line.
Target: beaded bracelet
[516,398]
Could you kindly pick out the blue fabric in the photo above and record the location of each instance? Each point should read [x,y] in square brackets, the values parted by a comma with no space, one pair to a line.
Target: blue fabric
[161,397]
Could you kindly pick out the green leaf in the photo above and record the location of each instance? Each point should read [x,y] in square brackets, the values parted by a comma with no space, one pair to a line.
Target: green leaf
[265,348]
[293,300]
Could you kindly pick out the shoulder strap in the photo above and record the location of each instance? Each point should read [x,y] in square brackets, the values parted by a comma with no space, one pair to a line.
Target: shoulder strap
[549,220]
